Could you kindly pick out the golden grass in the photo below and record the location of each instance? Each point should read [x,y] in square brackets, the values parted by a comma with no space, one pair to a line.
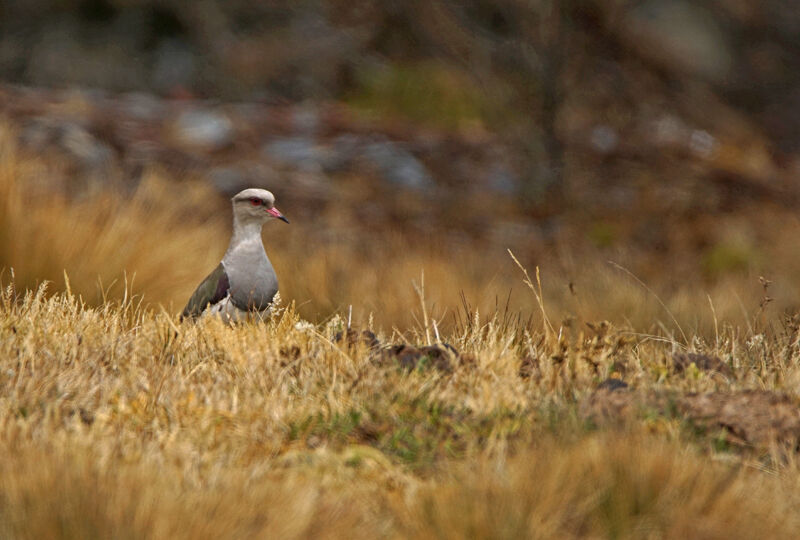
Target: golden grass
[628,487]
[605,486]
[118,421]
[105,243]
[159,241]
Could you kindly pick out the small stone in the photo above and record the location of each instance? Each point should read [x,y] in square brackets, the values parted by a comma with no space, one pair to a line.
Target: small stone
[86,416]
[204,129]
[142,106]
[38,133]
[411,357]
[702,362]
[91,152]
[667,130]
[352,337]
[612,385]
[397,165]
[302,153]
[305,120]
[344,151]
[502,179]
[702,143]
[604,139]
[529,367]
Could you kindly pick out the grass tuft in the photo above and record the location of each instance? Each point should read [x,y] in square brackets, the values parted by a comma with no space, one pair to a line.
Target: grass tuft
[114,424]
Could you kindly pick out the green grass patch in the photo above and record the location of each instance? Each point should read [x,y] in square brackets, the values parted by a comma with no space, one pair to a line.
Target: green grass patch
[427,92]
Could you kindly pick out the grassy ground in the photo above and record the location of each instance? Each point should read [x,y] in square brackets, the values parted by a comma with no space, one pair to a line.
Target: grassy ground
[117,420]
[121,422]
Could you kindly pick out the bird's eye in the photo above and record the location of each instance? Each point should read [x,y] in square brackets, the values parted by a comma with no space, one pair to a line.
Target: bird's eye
[255,202]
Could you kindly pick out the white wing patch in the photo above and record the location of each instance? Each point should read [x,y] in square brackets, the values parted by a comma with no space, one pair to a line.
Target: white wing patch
[230,313]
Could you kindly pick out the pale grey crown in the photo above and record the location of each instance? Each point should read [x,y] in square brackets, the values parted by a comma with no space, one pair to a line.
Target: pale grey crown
[266,197]
[251,203]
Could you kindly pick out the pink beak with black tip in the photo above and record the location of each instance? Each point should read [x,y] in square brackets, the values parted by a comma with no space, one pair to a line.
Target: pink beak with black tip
[274,212]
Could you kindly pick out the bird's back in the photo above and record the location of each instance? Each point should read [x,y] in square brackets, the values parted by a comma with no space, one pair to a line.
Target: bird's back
[214,288]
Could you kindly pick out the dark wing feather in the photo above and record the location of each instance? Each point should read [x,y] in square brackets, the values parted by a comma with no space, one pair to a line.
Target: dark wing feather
[213,289]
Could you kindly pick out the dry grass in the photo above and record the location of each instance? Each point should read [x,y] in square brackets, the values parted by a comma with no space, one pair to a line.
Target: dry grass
[118,421]
[162,238]
[104,242]
[625,486]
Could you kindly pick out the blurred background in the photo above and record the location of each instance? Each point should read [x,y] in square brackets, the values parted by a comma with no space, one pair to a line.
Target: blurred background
[638,152]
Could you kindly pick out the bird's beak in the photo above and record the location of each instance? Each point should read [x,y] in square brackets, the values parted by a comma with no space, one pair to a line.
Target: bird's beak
[274,212]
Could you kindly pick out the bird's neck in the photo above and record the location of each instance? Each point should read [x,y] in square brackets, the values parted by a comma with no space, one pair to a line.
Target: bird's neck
[245,232]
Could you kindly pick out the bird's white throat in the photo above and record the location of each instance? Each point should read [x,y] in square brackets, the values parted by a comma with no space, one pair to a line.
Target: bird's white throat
[246,234]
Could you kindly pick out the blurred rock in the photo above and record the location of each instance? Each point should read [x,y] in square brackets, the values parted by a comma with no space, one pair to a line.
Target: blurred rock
[749,418]
[203,129]
[670,132]
[703,362]
[352,338]
[89,151]
[345,150]
[609,405]
[604,139]
[411,357]
[667,130]
[302,153]
[142,152]
[69,137]
[613,385]
[397,165]
[702,143]
[529,368]
[305,120]
[142,106]
[502,179]
[37,133]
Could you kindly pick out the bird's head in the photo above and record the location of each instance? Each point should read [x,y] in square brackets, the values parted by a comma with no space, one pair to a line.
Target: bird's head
[255,204]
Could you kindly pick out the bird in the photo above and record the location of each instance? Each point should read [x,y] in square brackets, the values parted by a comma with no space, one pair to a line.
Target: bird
[244,283]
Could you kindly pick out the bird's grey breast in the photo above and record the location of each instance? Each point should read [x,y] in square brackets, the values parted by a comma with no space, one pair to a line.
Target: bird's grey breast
[252,279]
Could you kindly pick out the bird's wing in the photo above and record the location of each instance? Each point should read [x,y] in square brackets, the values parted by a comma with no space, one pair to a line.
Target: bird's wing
[213,289]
